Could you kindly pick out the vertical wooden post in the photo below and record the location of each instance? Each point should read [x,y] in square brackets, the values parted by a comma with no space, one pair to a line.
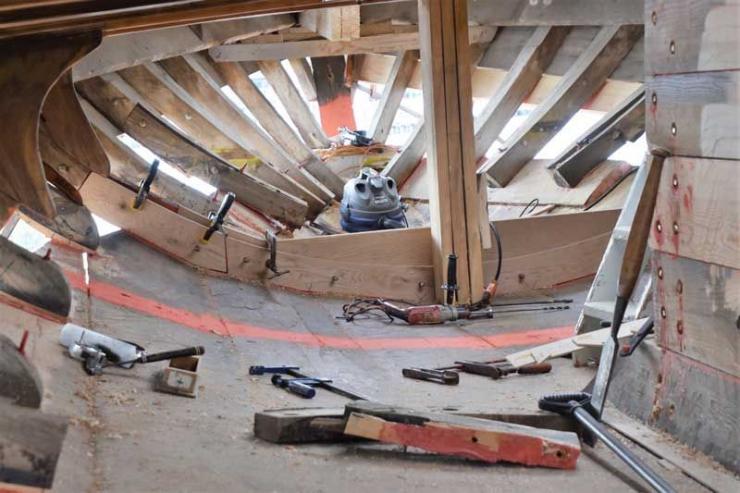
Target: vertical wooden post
[454,206]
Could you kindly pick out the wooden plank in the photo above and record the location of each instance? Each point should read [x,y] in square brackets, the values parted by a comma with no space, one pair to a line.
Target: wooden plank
[66,125]
[474,438]
[31,442]
[403,164]
[535,181]
[519,82]
[523,13]
[187,78]
[700,302]
[566,346]
[288,94]
[334,24]
[333,93]
[33,281]
[235,76]
[382,43]
[31,66]
[232,31]
[393,92]
[704,36]
[698,211]
[603,55]
[695,114]
[625,123]
[61,163]
[192,159]
[154,224]
[304,75]
[454,210]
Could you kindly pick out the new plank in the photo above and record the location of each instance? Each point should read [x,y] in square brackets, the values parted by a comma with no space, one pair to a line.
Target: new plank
[289,96]
[172,145]
[582,80]
[683,36]
[395,88]
[382,43]
[519,82]
[695,114]
[235,76]
[156,225]
[697,213]
[334,24]
[697,305]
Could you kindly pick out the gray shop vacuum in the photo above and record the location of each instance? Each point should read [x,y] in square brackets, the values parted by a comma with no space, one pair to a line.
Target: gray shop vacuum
[371,202]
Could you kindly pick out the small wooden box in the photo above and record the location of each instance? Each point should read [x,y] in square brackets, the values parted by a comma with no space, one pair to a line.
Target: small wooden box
[180,377]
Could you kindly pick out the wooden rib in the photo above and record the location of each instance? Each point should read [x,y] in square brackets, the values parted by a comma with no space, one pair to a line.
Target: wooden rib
[383,43]
[31,66]
[393,92]
[304,75]
[625,123]
[61,162]
[582,80]
[519,82]
[404,163]
[288,94]
[66,125]
[188,76]
[167,142]
[234,75]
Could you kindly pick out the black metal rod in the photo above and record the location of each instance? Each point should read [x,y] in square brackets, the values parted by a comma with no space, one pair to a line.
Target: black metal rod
[635,463]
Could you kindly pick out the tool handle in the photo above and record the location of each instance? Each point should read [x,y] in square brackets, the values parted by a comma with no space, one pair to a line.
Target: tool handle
[300,388]
[177,353]
[438,376]
[535,369]
[477,368]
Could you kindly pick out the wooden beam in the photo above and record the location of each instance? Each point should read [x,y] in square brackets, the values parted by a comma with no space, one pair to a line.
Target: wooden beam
[519,82]
[382,43]
[474,438]
[288,94]
[393,92]
[235,76]
[335,24]
[304,75]
[119,52]
[333,93]
[584,78]
[405,162]
[167,142]
[189,82]
[625,123]
[30,67]
[454,209]
[523,13]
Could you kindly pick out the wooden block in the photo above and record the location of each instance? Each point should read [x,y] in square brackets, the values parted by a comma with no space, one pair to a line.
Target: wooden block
[158,226]
[478,439]
[180,377]
[697,214]
[691,36]
[695,114]
[31,442]
[701,303]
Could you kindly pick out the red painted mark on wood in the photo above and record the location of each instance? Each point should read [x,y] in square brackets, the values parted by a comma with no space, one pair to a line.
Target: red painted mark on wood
[337,113]
[206,322]
[688,198]
[487,447]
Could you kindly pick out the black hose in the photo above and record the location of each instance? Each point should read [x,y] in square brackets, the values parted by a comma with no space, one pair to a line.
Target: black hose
[500,252]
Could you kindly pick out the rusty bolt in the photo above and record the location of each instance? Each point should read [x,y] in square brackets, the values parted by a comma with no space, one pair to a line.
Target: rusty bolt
[679,326]
[658,226]
[672,47]
[675,181]
[675,228]
[660,272]
[674,129]
[679,287]
[654,17]
[654,98]
[662,312]
[422,284]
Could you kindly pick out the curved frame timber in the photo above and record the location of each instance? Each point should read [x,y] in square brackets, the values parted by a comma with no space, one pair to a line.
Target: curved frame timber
[30,67]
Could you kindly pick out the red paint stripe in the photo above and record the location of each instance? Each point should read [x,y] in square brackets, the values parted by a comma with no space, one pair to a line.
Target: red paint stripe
[205,322]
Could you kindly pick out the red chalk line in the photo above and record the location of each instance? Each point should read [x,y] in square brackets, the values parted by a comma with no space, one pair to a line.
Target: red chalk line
[208,323]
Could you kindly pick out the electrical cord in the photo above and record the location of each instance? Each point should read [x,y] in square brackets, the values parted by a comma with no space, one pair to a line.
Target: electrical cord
[500,252]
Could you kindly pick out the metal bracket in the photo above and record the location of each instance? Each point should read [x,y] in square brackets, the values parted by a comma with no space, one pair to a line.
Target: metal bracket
[145,185]
[271,262]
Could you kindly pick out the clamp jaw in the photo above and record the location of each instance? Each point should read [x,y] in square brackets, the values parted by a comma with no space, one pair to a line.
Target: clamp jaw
[145,185]
[217,218]
[271,263]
